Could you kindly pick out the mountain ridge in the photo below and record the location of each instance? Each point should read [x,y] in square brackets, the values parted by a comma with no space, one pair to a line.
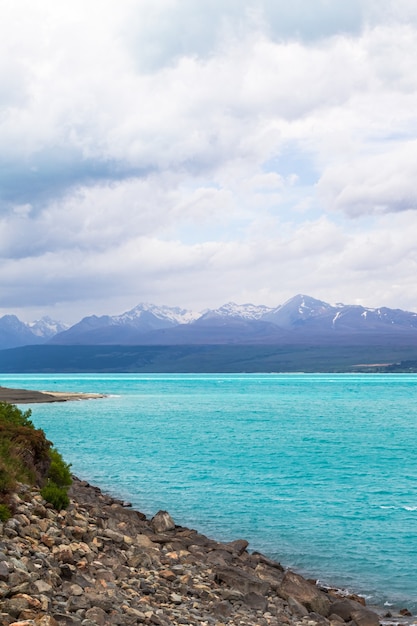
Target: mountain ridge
[302,318]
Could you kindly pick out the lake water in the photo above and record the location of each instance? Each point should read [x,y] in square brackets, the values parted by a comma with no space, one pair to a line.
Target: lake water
[318,471]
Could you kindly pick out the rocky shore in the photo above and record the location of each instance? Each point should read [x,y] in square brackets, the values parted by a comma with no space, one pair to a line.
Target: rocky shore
[101,563]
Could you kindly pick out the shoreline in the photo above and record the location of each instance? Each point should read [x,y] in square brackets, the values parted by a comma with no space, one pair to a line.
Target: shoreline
[387,616]
[28,396]
[100,562]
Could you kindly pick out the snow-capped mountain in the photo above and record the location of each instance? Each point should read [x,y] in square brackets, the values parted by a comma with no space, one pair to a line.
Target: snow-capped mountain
[14,332]
[237,311]
[307,314]
[167,315]
[301,319]
[127,328]
[46,327]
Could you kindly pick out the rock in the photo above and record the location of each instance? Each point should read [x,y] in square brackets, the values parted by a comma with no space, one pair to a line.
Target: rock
[343,608]
[349,610]
[219,557]
[237,547]
[31,531]
[175,598]
[167,575]
[113,535]
[4,571]
[255,601]
[242,581]
[296,607]
[365,617]
[295,586]
[45,620]
[223,609]
[271,575]
[75,603]
[162,522]
[144,542]
[97,616]
[42,586]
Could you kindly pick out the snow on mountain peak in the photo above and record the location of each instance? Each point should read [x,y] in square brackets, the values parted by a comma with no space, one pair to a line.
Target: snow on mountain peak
[175,315]
[244,311]
[46,327]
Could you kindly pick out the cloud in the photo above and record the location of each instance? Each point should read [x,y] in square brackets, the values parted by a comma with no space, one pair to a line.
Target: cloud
[372,184]
[193,153]
[160,33]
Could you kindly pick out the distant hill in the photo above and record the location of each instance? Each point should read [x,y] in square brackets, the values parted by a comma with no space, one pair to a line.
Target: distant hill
[209,358]
[302,320]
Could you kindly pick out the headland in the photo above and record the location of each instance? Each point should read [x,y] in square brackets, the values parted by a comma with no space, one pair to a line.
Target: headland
[27,396]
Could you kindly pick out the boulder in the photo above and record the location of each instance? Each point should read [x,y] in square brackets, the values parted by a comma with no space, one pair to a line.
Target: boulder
[296,607]
[295,586]
[237,578]
[236,547]
[365,617]
[162,521]
[350,610]
[271,575]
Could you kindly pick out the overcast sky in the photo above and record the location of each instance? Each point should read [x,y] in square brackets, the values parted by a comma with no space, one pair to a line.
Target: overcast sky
[195,152]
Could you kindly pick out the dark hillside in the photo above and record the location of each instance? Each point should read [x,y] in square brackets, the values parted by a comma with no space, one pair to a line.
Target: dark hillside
[203,358]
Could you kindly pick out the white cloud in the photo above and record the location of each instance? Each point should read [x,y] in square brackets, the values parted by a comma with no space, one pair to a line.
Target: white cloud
[192,154]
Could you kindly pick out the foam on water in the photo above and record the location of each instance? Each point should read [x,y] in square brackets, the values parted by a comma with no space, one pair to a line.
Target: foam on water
[317,470]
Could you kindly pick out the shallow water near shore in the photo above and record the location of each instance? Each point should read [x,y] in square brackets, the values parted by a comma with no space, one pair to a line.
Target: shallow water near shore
[318,471]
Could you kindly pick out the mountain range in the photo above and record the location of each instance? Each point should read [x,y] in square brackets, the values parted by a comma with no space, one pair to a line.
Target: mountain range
[300,320]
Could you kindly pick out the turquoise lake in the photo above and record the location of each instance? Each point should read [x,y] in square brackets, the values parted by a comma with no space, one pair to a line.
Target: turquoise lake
[318,471]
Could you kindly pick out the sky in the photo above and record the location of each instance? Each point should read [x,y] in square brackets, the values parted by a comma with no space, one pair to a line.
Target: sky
[196,152]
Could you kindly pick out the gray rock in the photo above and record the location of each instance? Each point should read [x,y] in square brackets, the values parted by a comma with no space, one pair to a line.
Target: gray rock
[113,535]
[42,586]
[75,603]
[4,571]
[365,617]
[238,579]
[96,615]
[271,575]
[162,522]
[296,607]
[237,547]
[297,587]
[351,610]
[255,601]
[223,609]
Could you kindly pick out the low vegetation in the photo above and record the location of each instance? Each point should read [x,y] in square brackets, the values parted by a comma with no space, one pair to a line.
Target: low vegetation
[27,456]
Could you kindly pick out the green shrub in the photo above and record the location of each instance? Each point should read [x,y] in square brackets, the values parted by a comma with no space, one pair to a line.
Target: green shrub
[59,471]
[13,415]
[5,513]
[55,495]
[27,456]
